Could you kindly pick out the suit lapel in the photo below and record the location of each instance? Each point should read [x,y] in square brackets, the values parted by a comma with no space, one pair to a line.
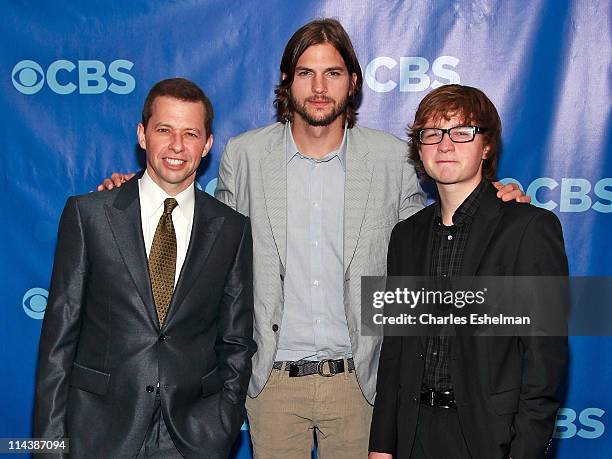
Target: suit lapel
[125,224]
[420,259]
[274,173]
[485,222]
[204,232]
[356,193]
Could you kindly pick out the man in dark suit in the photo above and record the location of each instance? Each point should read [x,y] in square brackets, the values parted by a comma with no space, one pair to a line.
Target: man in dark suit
[146,344]
[466,396]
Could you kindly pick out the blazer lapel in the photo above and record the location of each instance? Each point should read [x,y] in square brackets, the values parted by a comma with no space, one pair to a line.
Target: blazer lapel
[483,227]
[419,260]
[356,193]
[125,224]
[274,173]
[204,232]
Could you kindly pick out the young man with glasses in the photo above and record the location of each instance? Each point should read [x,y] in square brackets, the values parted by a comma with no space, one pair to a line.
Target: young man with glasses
[466,396]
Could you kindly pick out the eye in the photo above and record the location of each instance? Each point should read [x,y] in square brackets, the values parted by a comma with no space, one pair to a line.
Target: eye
[193,135]
[334,73]
[162,129]
[303,73]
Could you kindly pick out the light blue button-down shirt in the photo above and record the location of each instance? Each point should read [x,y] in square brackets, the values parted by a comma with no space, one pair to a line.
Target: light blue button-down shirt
[314,323]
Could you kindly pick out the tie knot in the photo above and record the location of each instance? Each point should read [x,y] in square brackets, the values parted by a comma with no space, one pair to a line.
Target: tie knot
[169,205]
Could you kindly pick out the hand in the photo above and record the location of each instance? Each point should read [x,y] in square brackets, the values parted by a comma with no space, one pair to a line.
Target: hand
[510,192]
[116,180]
[374,455]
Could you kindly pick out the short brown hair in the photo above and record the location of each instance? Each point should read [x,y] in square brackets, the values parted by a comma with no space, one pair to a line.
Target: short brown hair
[464,101]
[181,89]
[315,33]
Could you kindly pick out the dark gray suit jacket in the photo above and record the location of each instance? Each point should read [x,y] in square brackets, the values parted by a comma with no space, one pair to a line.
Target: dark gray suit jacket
[102,352]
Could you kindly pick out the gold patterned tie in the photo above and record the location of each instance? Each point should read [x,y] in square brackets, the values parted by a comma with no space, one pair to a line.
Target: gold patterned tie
[162,261]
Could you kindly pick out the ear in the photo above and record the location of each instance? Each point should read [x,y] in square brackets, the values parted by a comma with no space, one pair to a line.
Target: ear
[140,133]
[353,83]
[283,76]
[485,151]
[207,145]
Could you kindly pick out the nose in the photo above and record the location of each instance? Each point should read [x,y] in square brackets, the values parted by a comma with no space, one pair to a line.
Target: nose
[446,144]
[176,143]
[319,86]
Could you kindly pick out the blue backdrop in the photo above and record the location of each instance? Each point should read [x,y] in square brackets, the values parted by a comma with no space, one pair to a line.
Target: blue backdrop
[75,75]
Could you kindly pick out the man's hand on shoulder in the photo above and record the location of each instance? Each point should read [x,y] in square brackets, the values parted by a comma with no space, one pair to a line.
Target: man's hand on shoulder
[116,180]
[509,192]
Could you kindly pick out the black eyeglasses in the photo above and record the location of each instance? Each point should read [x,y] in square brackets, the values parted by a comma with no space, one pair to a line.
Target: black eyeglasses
[458,134]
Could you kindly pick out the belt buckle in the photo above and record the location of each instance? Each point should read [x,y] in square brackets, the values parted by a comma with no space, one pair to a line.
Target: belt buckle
[320,368]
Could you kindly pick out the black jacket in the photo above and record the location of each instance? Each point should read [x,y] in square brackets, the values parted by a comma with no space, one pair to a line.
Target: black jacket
[505,387]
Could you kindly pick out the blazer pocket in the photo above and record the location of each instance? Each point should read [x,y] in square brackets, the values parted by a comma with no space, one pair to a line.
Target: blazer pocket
[89,380]
[211,383]
[506,402]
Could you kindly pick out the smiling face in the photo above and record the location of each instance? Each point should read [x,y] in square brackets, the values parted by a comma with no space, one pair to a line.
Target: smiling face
[449,163]
[175,141]
[321,86]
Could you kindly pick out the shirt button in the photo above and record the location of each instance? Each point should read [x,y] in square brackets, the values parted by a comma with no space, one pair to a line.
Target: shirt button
[315,243]
[318,321]
[150,388]
[162,338]
[315,204]
[315,283]
[274,328]
[450,237]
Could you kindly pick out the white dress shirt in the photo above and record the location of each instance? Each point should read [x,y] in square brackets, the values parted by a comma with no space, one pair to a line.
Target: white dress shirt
[151,208]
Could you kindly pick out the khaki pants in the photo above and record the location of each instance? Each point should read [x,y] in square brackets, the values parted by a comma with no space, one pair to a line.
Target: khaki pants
[284,415]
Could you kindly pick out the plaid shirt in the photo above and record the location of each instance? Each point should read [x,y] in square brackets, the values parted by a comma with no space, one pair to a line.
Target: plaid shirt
[447,251]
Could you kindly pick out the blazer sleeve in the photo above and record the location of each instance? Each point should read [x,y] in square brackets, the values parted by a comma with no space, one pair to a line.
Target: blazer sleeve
[61,325]
[412,197]
[541,253]
[226,180]
[234,345]
[383,430]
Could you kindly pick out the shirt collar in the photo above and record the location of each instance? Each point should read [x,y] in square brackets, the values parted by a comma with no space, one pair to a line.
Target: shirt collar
[152,197]
[292,149]
[466,210]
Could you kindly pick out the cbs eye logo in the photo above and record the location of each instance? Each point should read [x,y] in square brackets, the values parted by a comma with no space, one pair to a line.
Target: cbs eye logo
[28,77]
[35,302]
[67,77]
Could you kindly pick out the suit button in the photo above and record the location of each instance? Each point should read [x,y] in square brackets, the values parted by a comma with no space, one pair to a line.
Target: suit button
[150,388]
[274,328]
[414,399]
[162,338]
[421,356]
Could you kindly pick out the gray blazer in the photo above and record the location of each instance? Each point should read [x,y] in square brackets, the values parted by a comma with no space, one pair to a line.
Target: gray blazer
[381,188]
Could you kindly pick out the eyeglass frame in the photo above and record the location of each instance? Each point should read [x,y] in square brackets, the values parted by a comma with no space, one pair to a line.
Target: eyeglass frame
[475,130]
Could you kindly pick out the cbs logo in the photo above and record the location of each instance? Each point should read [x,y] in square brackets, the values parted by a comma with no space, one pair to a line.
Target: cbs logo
[35,302]
[65,77]
[380,74]
[587,426]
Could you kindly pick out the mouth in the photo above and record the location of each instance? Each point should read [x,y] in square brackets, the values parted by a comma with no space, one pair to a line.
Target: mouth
[319,102]
[174,162]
